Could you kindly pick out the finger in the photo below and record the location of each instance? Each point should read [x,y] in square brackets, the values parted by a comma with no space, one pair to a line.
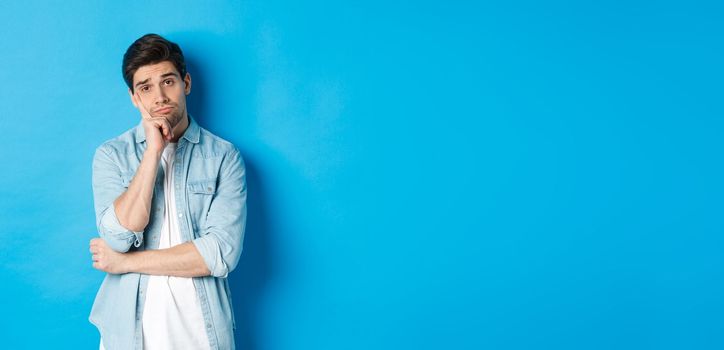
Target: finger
[96,243]
[166,127]
[158,123]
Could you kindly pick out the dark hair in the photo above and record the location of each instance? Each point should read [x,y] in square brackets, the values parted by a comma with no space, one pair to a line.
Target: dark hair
[151,49]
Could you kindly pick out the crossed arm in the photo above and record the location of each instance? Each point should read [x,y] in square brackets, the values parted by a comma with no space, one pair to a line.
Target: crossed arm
[214,252]
[182,260]
[132,210]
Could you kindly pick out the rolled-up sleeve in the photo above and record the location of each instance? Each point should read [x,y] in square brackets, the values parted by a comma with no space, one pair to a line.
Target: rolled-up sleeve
[107,186]
[222,235]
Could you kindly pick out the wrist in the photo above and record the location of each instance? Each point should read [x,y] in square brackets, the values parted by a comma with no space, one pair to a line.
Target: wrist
[152,153]
[127,262]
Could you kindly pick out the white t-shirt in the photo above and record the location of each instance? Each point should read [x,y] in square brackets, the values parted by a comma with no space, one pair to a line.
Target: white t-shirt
[172,317]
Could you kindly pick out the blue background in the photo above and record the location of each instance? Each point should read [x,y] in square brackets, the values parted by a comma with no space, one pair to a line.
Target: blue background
[422,175]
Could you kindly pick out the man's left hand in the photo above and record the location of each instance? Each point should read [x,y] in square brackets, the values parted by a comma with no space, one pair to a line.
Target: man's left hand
[106,259]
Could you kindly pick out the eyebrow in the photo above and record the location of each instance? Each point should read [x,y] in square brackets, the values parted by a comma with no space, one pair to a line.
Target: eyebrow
[169,74]
[162,76]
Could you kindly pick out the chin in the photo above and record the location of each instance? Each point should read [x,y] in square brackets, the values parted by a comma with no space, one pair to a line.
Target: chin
[176,119]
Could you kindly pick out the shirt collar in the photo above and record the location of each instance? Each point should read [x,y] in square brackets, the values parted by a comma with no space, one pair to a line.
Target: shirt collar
[191,134]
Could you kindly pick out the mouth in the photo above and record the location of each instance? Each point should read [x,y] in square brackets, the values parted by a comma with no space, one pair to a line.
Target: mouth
[164,110]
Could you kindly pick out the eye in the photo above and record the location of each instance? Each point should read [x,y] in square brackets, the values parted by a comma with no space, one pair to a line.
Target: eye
[168,82]
[145,88]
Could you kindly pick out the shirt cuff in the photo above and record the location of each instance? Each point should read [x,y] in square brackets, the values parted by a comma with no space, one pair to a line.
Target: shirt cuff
[208,247]
[118,237]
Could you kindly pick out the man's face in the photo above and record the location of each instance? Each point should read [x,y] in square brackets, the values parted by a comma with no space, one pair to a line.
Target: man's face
[160,90]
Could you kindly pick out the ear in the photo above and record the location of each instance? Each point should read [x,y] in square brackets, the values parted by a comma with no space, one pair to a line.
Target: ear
[187,84]
[133,98]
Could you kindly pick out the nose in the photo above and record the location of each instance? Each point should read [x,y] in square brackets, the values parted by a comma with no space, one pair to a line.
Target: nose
[161,97]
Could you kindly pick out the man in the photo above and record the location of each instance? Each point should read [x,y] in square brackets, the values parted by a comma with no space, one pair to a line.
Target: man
[170,202]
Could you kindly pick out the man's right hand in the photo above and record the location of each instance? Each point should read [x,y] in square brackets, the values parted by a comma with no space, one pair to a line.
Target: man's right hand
[158,130]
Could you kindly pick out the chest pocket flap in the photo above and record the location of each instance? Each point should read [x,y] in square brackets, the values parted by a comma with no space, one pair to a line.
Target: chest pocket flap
[203,186]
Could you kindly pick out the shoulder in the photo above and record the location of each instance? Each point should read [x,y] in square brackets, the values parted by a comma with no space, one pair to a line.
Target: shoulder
[124,143]
[212,145]
[216,150]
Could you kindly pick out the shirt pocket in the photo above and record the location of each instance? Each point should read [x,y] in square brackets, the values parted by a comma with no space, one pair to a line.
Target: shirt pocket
[201,193]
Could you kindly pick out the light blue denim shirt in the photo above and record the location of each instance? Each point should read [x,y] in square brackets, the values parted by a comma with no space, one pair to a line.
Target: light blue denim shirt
[211,200]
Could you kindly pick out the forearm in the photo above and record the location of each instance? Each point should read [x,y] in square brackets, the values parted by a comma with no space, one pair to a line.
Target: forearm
[133,206]
[183,260]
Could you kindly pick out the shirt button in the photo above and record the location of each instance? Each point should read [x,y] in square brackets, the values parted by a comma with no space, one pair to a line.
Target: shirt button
[180,215]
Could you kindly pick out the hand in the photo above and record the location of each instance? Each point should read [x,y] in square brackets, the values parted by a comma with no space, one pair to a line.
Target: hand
[106,259]
[158,129]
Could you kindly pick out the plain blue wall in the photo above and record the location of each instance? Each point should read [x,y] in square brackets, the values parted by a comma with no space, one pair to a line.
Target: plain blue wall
[422,175]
